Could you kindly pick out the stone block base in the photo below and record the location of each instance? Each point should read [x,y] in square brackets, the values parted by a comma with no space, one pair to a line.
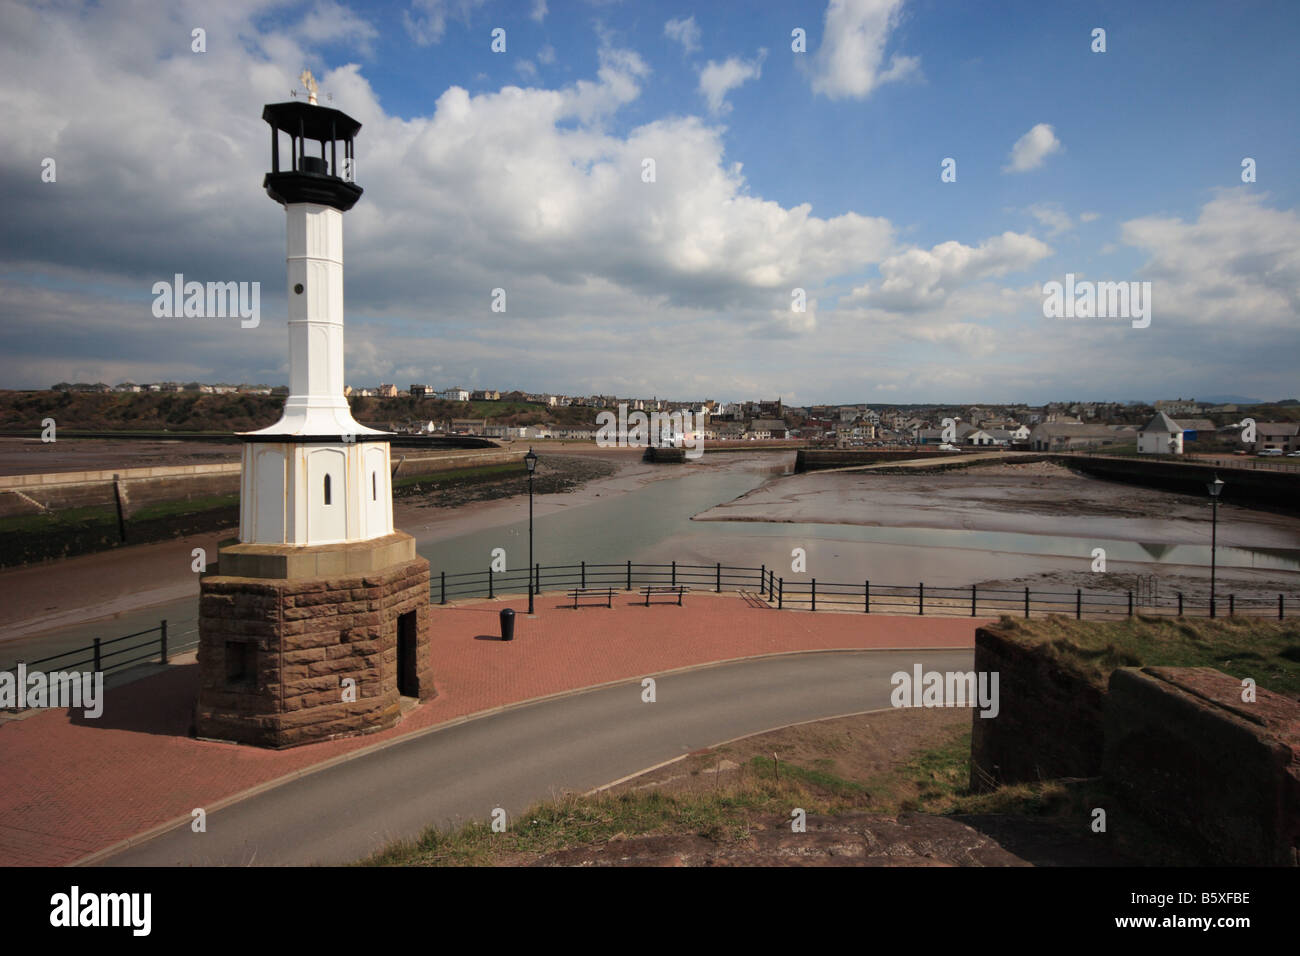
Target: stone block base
[1050,722]
[288,661]
[1219,773]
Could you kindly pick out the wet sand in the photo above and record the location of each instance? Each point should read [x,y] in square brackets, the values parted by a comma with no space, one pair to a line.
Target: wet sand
[31,456]
[1036,498]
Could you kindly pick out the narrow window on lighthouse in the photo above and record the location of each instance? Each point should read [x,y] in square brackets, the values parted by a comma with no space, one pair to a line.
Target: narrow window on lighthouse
[374,486]
[327,489]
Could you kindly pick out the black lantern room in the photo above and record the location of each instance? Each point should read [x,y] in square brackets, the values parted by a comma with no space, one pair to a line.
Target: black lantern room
[311,178]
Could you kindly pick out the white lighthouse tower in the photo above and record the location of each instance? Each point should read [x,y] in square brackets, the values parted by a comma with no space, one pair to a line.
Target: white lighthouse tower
[315,623]
[316,476]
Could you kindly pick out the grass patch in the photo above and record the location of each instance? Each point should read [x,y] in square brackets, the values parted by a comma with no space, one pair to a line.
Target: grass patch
[581,821]
[86,517]
[184,506]
[815,781]
[725,814]
[457,476]
[1267,651]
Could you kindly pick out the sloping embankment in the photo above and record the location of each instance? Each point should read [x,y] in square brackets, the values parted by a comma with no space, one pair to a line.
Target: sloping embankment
[61,514]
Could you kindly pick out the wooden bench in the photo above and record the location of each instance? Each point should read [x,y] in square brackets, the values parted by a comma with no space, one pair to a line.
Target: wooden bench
[605,594]
[668,589]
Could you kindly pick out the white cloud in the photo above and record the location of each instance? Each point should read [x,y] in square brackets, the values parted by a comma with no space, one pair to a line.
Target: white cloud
[719,79]
[1089,216]
[539,10]
[1051,215]
[329,21]
[849,61]
[1236,267]
[546,55]
[921,279]
[685,32]
[785,321]
[1031,149]
[426,20]
[526,68]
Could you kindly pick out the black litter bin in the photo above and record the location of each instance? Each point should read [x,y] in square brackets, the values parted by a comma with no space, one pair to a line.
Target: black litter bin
[508,624]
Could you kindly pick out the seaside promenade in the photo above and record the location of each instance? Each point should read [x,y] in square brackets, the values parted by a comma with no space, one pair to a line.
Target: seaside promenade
[75,787]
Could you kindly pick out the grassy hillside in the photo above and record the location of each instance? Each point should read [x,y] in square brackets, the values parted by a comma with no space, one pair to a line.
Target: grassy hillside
[195,412]
[1264,650]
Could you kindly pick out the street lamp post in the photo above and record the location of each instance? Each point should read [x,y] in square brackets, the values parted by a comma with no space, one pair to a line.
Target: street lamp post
[1215,488]
[530,462]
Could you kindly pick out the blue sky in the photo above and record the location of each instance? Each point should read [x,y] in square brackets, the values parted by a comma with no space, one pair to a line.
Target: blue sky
[775,170]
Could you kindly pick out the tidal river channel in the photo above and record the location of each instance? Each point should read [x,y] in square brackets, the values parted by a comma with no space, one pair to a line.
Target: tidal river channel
[679,519]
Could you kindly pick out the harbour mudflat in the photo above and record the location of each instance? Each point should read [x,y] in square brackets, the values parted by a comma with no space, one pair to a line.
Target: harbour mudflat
[1038,498]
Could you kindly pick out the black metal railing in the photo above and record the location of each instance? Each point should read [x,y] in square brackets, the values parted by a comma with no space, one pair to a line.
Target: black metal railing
[626,576]
[107,655]
[867,597]
[158,643]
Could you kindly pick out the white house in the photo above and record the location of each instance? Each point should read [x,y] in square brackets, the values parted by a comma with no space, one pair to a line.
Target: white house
[1160,436]
[986,436]
[456,394]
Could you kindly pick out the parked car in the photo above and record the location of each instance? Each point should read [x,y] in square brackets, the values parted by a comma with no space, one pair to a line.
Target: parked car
[1293,454]
[1270,453]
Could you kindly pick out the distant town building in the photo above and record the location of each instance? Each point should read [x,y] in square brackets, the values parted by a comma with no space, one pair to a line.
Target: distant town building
[1196,428]
[1160,436]
[574,434]
[1074,436]
[455,394]
[1280,435]
[997,437]
[468,426]
[387,391]
[765,428]
[1179,406]
[421,391]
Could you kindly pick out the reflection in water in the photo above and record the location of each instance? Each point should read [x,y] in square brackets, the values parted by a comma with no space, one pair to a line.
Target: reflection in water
[606,532]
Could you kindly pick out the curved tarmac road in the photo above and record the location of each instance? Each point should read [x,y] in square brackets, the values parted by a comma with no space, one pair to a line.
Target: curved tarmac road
[517,757]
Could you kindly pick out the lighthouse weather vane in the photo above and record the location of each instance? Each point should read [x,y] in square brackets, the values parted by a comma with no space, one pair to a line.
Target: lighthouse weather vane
[309,84]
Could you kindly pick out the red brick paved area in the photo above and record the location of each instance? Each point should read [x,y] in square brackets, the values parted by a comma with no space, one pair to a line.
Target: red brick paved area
[74,786]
